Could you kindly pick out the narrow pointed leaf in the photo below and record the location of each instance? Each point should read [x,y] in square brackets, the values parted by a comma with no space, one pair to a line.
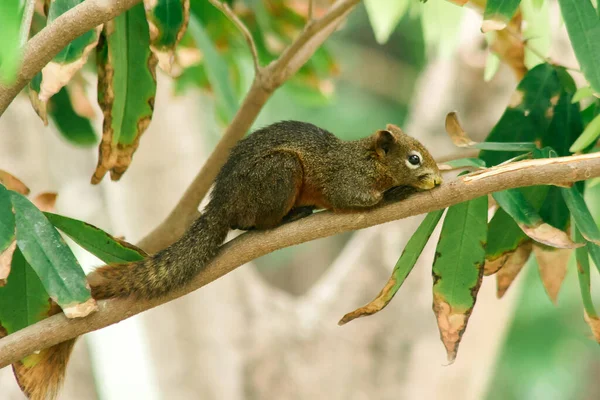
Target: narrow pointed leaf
[40,107]
[498,13]
[167,20]
[504,238]
[583,26]
[589,136]
[104,246]
[511,268]
[51,258]
[7,219]
[76,129]
[405,264]
[462,163]
[58,72]
[582,93]
[458,269]
[581,214]
[552,264]
[384,15]
[126,90]
[525,215]
[583,274]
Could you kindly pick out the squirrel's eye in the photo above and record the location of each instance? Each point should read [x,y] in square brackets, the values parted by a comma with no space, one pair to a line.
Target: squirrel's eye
[414,159]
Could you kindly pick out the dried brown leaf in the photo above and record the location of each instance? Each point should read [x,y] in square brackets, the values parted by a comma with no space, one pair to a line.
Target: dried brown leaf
[13,183]
[40,107]
[452,324]
[5,262]
[594,324]
[376,305]
[553,268]
[510,270]
[508,45]
[45,201]
[550,236]
[80,310]
[457,134]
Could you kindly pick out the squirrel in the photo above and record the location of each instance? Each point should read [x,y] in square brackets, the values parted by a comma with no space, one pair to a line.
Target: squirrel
[277,174]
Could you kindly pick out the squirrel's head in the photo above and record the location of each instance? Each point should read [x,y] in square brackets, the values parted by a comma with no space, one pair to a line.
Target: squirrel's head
[408,161]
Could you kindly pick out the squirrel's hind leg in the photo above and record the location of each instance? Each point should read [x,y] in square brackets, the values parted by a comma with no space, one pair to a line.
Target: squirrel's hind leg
[271,189]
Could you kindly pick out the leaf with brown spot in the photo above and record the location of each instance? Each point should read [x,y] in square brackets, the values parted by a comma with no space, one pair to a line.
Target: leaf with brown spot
[126,90]
[552,264]
[510,270]
[5,262]
[594,324]
[458,269]
[167,21]
[405,264]
[58,72]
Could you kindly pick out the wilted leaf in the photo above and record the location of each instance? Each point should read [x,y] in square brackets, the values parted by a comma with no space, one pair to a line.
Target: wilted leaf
[504,238]
[40,107]
[126,89]
[6,257]
[511,268]
[167,21]
[52,260]
[71,58]
[525,215]
[590,135]
[13,183]
[104,246]
[583,26]
[405,264]
[460,138]
[552,264]
[458,269]
[594,324]
[76,129]
[10,43]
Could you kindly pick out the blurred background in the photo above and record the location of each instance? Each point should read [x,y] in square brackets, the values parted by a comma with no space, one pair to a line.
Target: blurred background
[269,329]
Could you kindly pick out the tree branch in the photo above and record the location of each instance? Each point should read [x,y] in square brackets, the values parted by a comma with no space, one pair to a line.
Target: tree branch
[251,245]
[270,78]
[40,50]
[225,9]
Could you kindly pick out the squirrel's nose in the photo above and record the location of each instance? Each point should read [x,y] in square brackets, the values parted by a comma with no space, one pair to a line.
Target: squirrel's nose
[437,180]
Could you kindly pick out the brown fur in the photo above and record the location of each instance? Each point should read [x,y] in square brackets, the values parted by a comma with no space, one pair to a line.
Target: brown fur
[279,173]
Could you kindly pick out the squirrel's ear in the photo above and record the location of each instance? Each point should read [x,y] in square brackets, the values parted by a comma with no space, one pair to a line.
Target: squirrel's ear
[395,129]
[384,141]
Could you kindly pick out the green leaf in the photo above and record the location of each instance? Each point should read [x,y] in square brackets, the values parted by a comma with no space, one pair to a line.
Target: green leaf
[527,117]
[71,58]
[216,69]
[458,269]
[384,16]
[581,214]
[96,241]
[583,273]
[504,237]
[504,147]
[7,219]
[465,162]
[566,125]
[50,257]
[126,89]
[589,136]
[583,26]
[498,13]
[168,21]
[441,21]
[10,50]
[536,28]
[583,93]
[492,63]
[75,128]
[405,264]
[23,300]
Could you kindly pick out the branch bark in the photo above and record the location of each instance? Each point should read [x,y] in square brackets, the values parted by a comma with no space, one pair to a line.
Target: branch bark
[40,50]
[266,81]
[255,244]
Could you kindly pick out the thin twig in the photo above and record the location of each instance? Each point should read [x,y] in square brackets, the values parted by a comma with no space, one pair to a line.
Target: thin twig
[251,245]
[311,10]
[225,9]
[26,21]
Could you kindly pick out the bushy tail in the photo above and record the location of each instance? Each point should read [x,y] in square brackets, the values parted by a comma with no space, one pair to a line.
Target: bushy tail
[166,270]
[152,277]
